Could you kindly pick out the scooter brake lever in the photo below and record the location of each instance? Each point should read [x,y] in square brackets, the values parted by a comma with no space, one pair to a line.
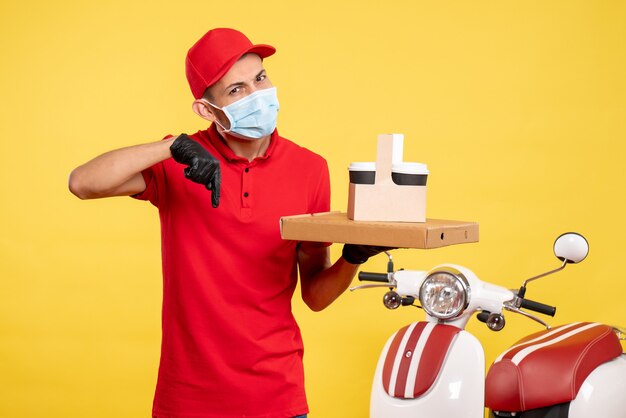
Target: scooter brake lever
[513,308]
[621,334]
[369,286]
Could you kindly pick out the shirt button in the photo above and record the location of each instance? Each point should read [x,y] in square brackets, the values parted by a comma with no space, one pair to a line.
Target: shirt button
[246,170]
[245,194]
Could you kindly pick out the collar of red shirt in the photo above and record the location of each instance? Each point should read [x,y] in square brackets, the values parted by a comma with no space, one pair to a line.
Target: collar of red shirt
[229,155]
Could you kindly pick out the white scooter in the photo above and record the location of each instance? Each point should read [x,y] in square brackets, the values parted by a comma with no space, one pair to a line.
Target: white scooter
[436,369]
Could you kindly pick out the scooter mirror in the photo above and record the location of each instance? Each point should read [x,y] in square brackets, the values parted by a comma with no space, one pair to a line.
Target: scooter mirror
[571,247]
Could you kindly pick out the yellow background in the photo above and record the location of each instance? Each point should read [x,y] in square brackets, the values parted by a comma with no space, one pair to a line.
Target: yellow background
[518,108]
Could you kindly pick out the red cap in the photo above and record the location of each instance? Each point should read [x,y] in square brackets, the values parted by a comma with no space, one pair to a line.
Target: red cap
[215,53]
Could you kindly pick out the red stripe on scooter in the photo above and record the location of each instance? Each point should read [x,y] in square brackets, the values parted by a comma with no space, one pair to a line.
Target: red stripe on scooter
[405,361]
[391,357]
[407,373]
[433,356]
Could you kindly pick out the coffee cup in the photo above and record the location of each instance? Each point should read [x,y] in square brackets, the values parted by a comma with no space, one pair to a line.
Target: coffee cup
[362,172]
[409,174]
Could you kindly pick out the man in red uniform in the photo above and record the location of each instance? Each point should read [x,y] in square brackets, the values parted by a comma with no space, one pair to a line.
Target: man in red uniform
[231,346]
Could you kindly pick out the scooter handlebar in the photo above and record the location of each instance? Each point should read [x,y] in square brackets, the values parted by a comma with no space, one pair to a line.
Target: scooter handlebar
[538,307]
[373,277]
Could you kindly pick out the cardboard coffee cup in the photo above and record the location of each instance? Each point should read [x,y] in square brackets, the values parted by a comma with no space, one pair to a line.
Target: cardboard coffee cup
[409,174]
[362,172]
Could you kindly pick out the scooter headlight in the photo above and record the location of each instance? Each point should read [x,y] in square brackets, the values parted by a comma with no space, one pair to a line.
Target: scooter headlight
[445,294]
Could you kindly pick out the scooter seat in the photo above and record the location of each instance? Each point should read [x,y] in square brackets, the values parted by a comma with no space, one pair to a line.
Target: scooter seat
[548,367]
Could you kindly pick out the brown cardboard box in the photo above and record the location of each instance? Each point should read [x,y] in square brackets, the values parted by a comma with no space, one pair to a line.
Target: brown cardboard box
[336,227]
[385,200]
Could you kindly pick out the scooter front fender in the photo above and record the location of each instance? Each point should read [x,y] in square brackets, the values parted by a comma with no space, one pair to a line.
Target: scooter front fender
[457,391]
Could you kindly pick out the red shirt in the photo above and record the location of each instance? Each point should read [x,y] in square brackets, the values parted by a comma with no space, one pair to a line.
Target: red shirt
[231,346]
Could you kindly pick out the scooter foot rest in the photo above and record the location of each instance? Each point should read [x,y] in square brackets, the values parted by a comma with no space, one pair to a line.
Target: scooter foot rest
[548,367]
[554,411]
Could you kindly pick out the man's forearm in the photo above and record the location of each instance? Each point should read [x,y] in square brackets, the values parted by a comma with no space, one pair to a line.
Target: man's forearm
[327,285]
[322,283]
[118,172]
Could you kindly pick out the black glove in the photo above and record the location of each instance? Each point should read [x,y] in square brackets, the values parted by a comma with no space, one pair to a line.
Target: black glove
[359,254]
[202,167]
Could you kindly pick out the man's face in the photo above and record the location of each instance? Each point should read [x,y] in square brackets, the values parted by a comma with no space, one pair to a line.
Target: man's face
[244,78]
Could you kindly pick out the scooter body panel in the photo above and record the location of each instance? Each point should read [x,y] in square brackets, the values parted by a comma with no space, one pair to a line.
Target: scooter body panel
[602,393]
[457,391]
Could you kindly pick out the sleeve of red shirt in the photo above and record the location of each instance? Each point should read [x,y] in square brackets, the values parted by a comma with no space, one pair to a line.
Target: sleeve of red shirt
[152,176]
[150,193]
[320,200]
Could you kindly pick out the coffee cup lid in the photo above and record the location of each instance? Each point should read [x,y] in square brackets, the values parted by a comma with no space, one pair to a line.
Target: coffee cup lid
[362,166]
[410,168]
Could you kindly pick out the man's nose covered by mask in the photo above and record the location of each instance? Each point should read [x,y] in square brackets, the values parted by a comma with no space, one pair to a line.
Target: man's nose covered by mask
[254,116]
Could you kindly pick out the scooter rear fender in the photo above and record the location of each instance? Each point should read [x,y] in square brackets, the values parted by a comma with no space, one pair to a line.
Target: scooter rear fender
[602,393]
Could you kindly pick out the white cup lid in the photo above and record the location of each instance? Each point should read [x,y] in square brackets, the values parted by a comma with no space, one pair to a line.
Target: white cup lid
[410,168]
[362,166]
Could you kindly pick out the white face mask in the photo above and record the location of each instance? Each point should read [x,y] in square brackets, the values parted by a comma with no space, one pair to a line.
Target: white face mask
[252,117]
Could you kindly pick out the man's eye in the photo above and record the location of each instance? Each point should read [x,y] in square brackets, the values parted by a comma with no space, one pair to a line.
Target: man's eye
[261,78]
[235,90]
